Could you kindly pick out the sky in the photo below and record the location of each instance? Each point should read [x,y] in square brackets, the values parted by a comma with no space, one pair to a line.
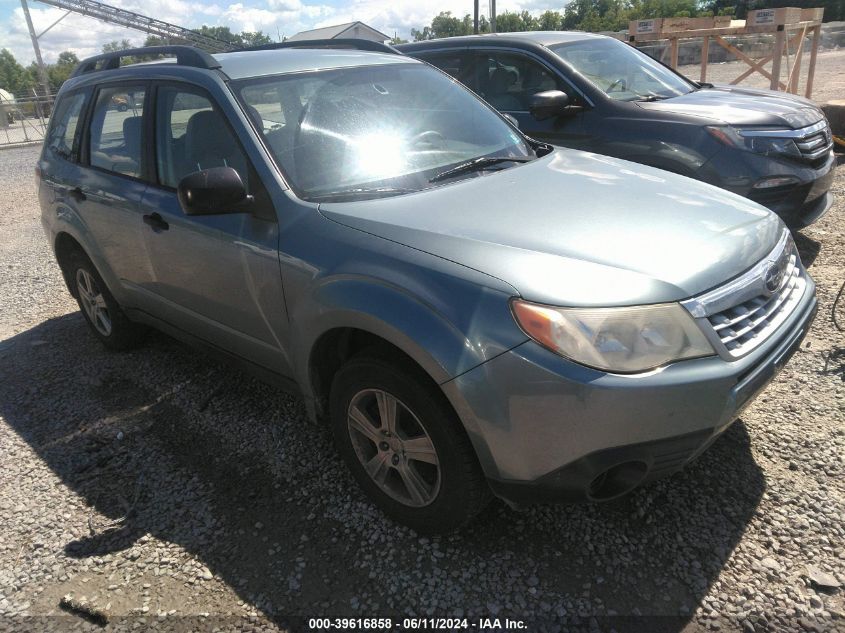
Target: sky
[278,18]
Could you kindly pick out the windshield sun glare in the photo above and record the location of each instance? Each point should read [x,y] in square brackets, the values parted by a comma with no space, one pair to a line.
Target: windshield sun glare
[374,130]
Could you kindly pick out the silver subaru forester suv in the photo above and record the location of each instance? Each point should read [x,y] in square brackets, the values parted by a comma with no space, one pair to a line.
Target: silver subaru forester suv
[472,312]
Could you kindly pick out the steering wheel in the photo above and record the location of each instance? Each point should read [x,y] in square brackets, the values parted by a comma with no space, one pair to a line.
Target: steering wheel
[429,137]
[619,82]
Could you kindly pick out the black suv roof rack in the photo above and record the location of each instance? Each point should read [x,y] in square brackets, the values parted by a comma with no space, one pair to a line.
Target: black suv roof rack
[185,56]
[349,42]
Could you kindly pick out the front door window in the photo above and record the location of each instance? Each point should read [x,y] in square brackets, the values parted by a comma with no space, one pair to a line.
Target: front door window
[508,80]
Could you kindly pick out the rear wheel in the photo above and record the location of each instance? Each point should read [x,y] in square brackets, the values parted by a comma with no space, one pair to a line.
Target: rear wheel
[100,309]
[405,446]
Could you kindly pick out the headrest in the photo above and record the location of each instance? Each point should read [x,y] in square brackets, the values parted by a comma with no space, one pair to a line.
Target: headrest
[208,138]
[132,134]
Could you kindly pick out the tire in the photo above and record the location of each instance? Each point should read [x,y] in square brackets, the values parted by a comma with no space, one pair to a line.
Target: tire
[442,486]
[100,309]
[122,107]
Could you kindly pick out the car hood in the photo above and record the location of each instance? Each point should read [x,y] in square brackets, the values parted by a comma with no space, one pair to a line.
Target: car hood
[742,106]
[579,229]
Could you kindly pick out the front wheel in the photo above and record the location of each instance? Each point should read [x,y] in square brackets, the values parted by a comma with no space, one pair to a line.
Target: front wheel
[405,446]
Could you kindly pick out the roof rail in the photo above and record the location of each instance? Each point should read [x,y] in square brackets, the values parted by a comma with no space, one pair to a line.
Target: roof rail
[348,42]
[185,56]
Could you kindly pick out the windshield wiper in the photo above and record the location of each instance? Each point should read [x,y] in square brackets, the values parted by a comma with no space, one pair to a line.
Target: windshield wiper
[651,97]
[477,164]
[362,192]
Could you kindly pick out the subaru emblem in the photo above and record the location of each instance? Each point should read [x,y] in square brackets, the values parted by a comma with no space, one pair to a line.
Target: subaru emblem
[773,277]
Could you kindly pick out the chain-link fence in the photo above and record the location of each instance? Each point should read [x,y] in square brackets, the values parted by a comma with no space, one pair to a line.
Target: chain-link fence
[23,119]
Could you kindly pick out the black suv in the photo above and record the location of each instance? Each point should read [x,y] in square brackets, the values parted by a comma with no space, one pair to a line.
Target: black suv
[598,94]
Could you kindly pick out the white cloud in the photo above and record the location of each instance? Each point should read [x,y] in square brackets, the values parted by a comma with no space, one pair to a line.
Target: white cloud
[241,18]
[400,16]
[285,5]
[84,36]
[278,18]
[285,18]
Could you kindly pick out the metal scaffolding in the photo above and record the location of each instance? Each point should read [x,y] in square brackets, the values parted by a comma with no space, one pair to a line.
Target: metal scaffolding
[169,32]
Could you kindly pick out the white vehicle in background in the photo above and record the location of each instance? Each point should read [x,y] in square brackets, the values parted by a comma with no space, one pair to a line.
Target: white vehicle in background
[7,108]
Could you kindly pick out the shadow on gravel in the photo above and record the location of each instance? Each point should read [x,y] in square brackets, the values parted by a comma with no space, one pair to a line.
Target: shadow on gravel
[164,441]
[808,248]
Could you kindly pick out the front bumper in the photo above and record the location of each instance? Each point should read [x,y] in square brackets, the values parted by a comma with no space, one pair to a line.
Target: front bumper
[799,204]
[546,429]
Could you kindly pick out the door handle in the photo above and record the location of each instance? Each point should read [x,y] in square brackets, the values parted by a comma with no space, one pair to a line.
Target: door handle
[156,222]
[77,194]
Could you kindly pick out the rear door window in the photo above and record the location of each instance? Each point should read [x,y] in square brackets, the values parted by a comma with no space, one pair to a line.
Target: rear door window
[117,130]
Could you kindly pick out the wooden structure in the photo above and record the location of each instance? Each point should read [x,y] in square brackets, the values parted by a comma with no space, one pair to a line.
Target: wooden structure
[790,28]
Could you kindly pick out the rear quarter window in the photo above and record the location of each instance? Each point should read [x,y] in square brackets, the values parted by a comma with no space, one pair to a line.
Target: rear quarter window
[63,136]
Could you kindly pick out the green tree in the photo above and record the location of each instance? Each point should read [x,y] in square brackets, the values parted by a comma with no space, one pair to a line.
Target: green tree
[115,46]
[14,78]
[59,72]
[154,40]
[447,25]
[444,24]
[223,33]
[834,10]
[67,58]
[550,21]
[246,38]
[254,39]
[508,22]
[641,9]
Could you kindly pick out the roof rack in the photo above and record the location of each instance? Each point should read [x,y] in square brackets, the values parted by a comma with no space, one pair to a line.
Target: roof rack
[348,43]
[185,56]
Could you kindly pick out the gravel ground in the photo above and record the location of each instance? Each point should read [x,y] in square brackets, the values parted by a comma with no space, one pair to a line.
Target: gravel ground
[828,81]
[161,483]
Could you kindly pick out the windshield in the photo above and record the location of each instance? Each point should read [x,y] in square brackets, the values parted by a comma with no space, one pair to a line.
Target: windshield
[621,71]
[372,131]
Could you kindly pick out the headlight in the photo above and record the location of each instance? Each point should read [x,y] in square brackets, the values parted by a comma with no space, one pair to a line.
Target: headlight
[620,340]
[757,141]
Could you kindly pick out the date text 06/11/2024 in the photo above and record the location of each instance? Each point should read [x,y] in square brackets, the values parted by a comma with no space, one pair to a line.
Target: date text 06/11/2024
[380,624]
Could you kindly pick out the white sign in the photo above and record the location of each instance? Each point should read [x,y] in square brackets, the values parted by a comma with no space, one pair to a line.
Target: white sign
[764,16]
[645,26]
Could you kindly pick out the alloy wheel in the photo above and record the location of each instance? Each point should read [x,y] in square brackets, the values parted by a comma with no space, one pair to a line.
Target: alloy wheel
[93,302]
[394,447]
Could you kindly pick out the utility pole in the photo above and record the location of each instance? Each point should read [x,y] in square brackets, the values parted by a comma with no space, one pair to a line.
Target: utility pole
[42,72]
[492,16]
[475,23]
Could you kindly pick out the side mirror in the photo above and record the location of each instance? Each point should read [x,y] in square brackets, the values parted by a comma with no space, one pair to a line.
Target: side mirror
[512,119]
[550,103]
[212,191]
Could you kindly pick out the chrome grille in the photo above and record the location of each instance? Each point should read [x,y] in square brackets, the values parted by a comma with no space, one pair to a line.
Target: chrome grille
[815,145]
[744,313]
[744,326]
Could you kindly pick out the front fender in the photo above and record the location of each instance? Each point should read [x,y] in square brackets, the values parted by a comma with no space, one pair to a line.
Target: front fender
[445,336]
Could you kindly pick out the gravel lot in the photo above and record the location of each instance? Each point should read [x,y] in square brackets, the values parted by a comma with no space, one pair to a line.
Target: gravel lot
[162,482]
[828,81]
